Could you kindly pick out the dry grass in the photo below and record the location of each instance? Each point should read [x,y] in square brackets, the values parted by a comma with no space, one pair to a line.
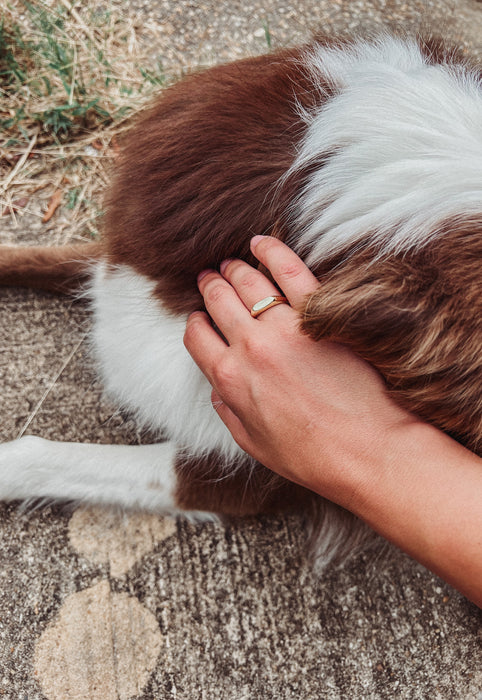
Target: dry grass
[71,78]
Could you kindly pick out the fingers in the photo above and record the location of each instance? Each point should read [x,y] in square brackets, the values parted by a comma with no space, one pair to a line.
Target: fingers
[231,421]
[250,284]
[205,346]
[230,296]
[228,299]
[288,270]
[210,353]
[223,305]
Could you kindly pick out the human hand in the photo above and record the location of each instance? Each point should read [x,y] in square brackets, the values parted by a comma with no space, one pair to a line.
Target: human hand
[319,415]
[312,411]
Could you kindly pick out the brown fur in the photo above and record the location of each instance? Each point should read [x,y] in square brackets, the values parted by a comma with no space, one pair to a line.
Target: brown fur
[248,490]
[207,158]
[197,181]
[417,318]
[203,484]
[55,269]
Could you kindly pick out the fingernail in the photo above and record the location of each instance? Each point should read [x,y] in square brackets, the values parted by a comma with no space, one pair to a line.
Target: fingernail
[224,265]
[203,274]
[255,240]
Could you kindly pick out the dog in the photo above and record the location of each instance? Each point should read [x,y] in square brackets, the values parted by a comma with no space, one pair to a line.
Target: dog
[365,156]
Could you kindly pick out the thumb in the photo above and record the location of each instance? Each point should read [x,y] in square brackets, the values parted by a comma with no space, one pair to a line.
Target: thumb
[232,422]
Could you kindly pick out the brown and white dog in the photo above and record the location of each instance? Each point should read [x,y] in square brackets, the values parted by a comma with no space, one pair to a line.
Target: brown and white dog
[366,158]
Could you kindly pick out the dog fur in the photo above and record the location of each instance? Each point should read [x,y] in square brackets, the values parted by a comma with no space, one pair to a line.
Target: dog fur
[366,158]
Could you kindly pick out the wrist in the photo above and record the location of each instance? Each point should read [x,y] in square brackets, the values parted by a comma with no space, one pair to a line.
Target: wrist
[393,470]
[424,496]
[366,464]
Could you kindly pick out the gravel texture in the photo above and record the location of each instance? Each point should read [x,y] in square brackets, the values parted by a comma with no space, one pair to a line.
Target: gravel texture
[96,604]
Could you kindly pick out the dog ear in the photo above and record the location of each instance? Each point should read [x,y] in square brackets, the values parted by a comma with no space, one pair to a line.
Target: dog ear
[359,302]
[404,317]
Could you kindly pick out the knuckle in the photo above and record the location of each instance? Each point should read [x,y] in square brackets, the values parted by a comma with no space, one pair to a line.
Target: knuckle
[214,292]
[190,334]
[280,259]
[256,348]
[192,329]
[224,375]
[289,270]
[249,279]
[241,274]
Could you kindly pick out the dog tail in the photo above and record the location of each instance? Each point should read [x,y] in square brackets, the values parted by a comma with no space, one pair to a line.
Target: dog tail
[61,269]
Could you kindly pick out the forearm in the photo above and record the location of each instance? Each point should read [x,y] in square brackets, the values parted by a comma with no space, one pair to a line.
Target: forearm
[424,494]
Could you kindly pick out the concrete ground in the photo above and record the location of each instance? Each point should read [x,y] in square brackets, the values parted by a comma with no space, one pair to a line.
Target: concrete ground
[95,604]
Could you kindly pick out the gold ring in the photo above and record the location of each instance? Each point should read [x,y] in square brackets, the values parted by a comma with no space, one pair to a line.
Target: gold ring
[265,304]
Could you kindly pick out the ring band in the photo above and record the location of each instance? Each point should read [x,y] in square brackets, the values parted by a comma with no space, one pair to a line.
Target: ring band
[266,304]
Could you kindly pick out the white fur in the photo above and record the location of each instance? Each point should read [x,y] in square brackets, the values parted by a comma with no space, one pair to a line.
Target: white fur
[138,476]
[406,145]
[142,360]
[146,368]
[406,139]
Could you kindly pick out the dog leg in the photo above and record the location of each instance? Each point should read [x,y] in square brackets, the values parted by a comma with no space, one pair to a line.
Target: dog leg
[158,478]
[61,269]
[137,476]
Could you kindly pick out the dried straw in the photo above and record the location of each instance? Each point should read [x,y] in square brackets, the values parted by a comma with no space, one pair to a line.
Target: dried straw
[71,80]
